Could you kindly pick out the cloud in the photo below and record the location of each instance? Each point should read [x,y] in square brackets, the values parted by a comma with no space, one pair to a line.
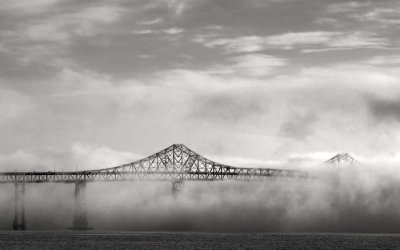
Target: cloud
[20,160]
[378,14]
[384,60]
[170,31]
[346,6]
[298,126]
[235,105]
[295,40]
[385,16]
[13,106]
[79,156]
[85,156]
[238,161]
[384,110]
[64,26]
[176,7]
[310,159]
[85,89]
[229,108]
[256,64]
[238,45]
[358,40]
[289,40]
[356,78]
[144,32]
[173,31]
[30,7]
[250,65]
[153,21]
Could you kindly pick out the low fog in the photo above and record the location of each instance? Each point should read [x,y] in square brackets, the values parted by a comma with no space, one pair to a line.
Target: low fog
[356,198]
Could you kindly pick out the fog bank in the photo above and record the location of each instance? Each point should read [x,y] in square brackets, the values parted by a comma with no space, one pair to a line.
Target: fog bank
[359,198]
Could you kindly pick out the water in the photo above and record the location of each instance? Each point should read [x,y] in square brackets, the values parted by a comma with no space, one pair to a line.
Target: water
[193,240]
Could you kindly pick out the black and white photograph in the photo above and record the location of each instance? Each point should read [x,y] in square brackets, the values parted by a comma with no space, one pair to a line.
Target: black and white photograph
[199,124]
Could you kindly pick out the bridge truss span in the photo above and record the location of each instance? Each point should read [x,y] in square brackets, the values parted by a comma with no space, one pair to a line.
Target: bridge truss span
[176,162]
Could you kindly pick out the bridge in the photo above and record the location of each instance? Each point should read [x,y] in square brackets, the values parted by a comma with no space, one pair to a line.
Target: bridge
[341,159]
[175,164]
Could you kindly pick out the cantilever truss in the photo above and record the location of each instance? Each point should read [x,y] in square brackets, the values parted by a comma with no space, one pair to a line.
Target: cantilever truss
[175,163]
[341,159]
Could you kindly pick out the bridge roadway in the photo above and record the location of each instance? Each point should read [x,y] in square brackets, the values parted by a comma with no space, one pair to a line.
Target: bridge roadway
[176,164]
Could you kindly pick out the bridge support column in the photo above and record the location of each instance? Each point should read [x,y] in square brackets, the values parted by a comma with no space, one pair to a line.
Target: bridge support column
[176,187]
[19,207]
[80,221]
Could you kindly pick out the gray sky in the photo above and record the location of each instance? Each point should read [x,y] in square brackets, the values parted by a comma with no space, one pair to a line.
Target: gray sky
[90,84]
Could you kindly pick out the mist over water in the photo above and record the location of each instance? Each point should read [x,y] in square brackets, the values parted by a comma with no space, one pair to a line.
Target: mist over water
[358,198]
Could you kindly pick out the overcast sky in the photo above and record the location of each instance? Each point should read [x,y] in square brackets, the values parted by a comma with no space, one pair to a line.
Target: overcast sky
[89,84]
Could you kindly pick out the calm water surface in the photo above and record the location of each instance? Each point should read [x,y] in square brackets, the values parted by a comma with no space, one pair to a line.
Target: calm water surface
[193,240]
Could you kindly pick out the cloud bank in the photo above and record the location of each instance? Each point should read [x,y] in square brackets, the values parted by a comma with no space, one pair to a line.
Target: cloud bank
[360,198]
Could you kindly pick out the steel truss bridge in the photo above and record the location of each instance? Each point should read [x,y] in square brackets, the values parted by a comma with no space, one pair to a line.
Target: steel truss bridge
[175,164]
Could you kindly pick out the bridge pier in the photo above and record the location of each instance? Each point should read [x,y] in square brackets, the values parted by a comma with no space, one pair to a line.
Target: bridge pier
[176,187]
[19,207]
[80,221]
